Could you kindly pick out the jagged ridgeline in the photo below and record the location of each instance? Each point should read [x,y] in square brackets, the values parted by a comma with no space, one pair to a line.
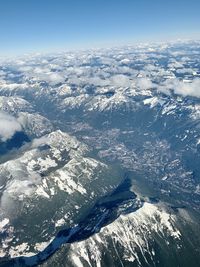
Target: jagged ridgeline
[100,158]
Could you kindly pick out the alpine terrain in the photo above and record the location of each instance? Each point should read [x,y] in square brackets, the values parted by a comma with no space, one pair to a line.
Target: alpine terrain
[100,157]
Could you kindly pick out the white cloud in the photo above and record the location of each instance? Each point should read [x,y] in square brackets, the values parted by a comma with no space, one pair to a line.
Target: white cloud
[181,88]
[54,78]
[13,86]
[185,70]
[144,83]
[44,73]
[8,126]
[188,89]
[39,141]
[120,81]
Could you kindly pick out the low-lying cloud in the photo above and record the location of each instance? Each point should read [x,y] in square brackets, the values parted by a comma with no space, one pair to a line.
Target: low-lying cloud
[191,88]
[8,126]
[144,83]
[188,89]
[120,80]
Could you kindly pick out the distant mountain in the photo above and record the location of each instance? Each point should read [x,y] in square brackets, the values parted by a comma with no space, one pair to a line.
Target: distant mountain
[100,157]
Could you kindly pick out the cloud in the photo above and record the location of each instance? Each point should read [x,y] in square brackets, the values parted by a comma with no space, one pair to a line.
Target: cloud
[144,83]
[120,80]
[39,141]
[8,126]
[54,78]
[188,89]
[185,70]
[191,88]
[44,73]
[12,86]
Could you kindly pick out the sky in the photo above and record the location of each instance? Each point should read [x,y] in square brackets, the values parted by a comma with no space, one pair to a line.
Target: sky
[48,25]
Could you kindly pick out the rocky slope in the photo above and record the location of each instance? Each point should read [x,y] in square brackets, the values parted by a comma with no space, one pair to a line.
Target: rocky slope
[72,126]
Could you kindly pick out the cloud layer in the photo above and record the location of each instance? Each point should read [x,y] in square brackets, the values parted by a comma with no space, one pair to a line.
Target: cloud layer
[191,88]
[8,126]
[188,89]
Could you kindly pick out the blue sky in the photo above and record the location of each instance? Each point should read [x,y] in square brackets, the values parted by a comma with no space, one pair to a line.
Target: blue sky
[47,25]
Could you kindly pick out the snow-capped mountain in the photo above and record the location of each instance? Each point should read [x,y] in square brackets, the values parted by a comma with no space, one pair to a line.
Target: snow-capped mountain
[134,239]
[100,150]
[51,179]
